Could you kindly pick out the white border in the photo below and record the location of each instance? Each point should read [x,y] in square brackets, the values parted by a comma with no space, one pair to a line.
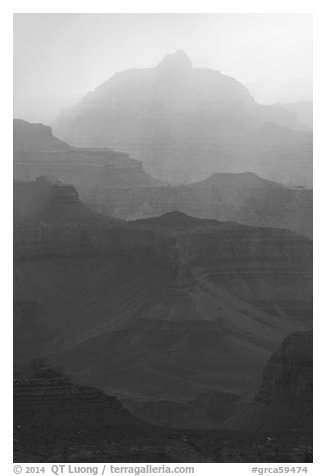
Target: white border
[285,6]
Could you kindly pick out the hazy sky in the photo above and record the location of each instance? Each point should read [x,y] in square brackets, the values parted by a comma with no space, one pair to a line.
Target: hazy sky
[60,57]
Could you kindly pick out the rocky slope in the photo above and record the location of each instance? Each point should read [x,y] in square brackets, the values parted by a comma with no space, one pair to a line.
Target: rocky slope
[186,123]
[285,398]
[37,152]
[244,198]
[288,375]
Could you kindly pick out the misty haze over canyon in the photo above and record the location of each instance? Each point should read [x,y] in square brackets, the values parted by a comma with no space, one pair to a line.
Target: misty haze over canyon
[163,240]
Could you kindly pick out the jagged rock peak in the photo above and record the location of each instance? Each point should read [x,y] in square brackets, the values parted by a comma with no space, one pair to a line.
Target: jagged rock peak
[177,61]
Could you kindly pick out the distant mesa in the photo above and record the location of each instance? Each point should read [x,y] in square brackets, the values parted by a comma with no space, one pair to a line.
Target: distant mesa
[186,123]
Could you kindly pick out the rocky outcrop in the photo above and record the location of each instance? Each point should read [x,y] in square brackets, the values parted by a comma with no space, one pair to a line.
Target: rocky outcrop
[186,123]
[37,152]
[46,390]
[244,198]
[33,138]
[50,220]
[284,400]
[287,376]
[36,200]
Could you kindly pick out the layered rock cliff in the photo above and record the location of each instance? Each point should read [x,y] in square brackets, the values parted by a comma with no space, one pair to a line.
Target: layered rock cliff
[38,199]
[32,137]
[37,152]
[186,123]
[50,220]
